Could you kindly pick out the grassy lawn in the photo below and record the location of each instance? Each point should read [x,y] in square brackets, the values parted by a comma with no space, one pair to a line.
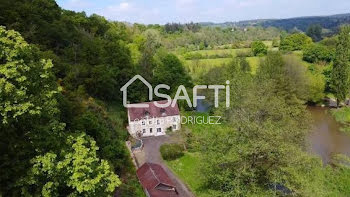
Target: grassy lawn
[186,168]
[197,68]
[254,63]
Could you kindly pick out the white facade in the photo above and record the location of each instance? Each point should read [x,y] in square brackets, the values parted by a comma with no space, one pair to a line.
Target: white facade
[154,126]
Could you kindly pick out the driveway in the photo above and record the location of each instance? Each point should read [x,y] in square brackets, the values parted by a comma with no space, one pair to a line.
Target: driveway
[152,154]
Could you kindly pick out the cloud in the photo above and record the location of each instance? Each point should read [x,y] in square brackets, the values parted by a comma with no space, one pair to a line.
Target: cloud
[124,6]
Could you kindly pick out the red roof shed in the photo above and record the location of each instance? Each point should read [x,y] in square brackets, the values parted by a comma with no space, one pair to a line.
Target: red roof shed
[156,181]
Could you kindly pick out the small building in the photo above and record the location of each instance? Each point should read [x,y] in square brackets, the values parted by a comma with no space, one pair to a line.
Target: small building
[155,181]
[152,120]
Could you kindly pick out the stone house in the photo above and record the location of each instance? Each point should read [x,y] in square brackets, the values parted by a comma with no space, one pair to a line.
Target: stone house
[152,120]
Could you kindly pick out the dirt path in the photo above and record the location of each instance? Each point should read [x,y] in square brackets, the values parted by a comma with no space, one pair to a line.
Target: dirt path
[152,154]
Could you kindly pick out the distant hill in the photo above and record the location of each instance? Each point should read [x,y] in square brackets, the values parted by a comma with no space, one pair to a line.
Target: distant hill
[301,23]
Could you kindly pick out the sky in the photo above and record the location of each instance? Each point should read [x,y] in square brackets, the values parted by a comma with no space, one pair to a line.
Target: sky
[163,11]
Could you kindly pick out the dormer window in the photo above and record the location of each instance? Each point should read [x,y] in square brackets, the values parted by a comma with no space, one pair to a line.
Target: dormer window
[163,111]
[146,113]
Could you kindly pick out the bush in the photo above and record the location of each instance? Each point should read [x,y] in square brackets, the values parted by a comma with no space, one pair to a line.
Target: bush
[244,53]
[275,43]
[294,42]
[316,52]
[193,56]
[171,151]
[259,48]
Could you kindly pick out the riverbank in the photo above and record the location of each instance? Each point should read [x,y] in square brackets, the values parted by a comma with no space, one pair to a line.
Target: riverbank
[326,138]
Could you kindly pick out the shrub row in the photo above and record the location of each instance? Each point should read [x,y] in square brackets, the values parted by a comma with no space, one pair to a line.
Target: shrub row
[171,151]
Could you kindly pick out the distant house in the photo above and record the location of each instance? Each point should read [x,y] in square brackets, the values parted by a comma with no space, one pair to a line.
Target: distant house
[152,120]
[155,181]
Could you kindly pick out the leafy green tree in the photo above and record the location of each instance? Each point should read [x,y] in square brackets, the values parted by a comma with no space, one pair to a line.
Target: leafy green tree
[245,66]
[244,158]
[259,48]
[170,69]
[148,50]
[296,41]
[317,84]
[315,32]
[316,52]
[28,107]
[340,76]
[76,171]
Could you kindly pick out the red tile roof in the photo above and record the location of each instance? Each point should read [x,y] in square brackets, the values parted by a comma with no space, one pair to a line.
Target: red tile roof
[152,111]
[156,181]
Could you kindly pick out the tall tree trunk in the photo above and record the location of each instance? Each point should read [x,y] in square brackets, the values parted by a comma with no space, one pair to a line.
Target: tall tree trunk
[338,102]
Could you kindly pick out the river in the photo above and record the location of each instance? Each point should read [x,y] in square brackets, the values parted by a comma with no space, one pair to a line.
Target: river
[326,138]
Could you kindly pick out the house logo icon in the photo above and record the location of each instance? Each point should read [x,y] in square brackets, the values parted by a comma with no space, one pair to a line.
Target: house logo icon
[125,92]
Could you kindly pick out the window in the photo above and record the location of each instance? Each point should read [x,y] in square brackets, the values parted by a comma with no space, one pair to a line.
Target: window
[150,130]
[174,127]
[143,123]
[159,130]
[150,122]
[144,130]
[174,119]
[158,122]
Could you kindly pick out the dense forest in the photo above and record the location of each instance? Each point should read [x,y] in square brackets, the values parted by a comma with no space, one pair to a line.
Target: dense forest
[300,23]
[63,126]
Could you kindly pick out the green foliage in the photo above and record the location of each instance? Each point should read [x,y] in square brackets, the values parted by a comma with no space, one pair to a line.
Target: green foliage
[315,32]
[171,151]
[316,52]
[275,43]
[28,107]
[316,83]
[76,171]
[171,69]
[340,76]
[296,41]
[330,42]
[259,48]
[244,159]
[26,86]
[196,56]
[36,117]
[342,116]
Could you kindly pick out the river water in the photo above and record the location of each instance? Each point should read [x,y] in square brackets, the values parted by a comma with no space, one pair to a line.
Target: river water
[326,138]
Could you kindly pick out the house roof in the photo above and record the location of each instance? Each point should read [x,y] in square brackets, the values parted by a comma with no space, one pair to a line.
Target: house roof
[152,111]
[156,181]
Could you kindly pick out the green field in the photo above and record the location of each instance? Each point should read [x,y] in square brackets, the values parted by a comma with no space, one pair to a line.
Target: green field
[221,51]
[197,68]
[186,168]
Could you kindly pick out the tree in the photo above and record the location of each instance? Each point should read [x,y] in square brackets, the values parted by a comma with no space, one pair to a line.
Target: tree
[296,41]
[76,171]
[317,52]
[148,50]
[315,32]
[340,76]
[170,69]
[263,140]
[28,107]
[259,48]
